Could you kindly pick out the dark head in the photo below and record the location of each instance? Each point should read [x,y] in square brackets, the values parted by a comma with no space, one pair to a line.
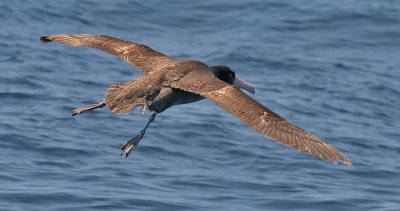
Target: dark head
[227,75]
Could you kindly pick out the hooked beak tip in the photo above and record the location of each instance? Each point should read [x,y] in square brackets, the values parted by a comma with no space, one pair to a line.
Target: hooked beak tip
[252,90]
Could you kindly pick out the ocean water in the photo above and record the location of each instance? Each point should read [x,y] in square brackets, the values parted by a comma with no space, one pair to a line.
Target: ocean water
[331,67]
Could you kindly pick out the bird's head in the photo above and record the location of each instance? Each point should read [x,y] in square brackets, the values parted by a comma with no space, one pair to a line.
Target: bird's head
[227,75]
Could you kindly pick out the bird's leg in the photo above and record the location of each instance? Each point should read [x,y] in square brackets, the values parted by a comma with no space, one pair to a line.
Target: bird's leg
[88,108]
[131,144]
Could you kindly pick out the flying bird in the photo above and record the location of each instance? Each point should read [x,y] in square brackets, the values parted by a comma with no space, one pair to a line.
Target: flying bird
[168,82]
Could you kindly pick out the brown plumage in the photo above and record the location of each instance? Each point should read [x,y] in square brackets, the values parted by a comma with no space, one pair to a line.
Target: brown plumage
[169,82]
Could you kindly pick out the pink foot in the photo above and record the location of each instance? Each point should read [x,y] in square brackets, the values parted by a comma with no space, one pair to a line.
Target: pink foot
[88,108]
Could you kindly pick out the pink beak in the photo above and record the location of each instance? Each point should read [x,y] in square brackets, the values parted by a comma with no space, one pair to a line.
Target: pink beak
[243,85]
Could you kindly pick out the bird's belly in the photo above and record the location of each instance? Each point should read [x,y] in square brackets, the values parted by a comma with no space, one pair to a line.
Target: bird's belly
[176,97]
[188,98]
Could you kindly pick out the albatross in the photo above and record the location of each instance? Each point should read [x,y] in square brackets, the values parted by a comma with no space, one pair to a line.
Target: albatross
[168,82]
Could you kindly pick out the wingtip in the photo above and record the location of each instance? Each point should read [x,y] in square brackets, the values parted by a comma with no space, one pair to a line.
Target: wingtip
[44,39]
[346,162]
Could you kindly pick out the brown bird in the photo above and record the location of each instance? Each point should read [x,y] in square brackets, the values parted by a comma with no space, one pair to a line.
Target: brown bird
[169,82]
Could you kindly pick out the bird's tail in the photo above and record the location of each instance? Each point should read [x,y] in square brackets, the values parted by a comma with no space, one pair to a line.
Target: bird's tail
[124,97]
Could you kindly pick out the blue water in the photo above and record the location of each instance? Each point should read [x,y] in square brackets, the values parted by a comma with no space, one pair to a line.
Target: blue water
[331,67]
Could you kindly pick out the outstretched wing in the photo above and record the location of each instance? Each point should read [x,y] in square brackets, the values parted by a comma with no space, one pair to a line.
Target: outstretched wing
[257,116]
[142,57]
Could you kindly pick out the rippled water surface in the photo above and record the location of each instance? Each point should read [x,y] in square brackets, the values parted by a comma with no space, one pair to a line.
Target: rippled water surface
[331,67]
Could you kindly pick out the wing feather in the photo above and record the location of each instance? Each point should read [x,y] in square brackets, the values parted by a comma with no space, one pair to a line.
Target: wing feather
[145,59]
[257,116]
